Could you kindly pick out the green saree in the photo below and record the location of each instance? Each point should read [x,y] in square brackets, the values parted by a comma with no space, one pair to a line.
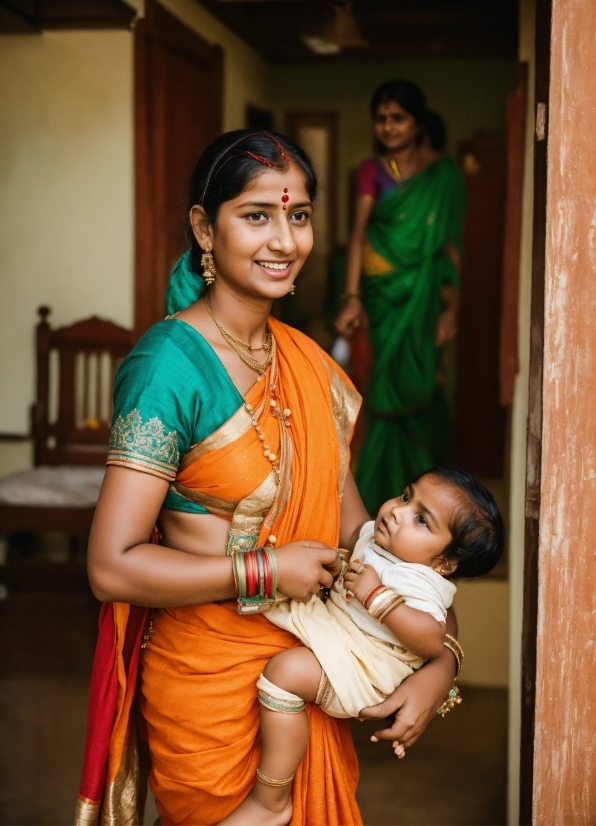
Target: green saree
[405,264]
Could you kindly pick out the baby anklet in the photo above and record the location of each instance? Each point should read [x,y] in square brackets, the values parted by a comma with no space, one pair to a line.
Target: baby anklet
[268,781]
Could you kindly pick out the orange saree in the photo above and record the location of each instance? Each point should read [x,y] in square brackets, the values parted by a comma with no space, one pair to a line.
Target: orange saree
[198,671]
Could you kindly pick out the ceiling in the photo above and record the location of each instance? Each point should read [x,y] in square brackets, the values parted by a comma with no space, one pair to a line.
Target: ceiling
[34,16]
[395,29]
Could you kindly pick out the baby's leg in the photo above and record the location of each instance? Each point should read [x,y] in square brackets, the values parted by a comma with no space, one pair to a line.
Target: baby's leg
[284,735]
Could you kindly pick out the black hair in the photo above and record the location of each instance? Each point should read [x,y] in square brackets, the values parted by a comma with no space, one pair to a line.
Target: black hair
[230,163]
[478,535]
[435,130]
[409,96]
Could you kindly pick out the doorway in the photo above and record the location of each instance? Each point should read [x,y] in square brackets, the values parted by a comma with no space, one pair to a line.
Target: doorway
[178,112]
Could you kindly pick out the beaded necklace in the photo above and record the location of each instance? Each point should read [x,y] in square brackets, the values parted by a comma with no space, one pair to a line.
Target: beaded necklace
[282,415]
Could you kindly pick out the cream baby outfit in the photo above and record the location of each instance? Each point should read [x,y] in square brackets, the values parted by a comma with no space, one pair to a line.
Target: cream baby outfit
[362,661]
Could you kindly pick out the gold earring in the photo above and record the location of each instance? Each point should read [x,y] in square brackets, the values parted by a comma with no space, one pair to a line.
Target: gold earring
[208,265]
[292,290]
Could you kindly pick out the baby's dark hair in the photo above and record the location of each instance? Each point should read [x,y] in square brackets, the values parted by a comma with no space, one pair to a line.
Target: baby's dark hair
[478,535]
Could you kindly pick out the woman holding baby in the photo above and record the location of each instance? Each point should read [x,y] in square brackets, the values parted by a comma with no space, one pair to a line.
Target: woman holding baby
[231,435]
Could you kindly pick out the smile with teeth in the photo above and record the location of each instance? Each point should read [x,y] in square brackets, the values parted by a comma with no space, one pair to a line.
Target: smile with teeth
[278,266]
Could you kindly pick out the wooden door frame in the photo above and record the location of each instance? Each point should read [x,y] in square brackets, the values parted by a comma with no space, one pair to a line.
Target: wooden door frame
[329,120]
[535,406]
[559,652]
[160,24]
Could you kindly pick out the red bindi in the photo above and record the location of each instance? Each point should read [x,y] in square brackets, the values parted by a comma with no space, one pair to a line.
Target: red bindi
[285,198]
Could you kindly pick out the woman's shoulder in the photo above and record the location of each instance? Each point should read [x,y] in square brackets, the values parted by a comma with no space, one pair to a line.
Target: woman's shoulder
[307,345]
[345,399]
[369,165]
[173,348]
[366,177]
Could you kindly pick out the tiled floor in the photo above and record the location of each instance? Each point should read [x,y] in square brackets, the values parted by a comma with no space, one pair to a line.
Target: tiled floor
[454,775]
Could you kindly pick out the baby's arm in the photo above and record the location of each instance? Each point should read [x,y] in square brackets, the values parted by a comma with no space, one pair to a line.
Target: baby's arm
[418,631]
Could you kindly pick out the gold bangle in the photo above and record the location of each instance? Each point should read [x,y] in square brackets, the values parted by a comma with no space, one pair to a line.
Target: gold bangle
[452,644]
[269,781]
[392,606]
[378,601]
[453,699]
[383,603]
[345,297]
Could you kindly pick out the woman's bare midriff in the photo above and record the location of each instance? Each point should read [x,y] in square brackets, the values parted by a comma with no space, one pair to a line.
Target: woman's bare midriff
[203,534]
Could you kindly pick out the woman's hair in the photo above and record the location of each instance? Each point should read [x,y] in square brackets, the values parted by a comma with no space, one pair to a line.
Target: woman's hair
[478,535]
[435,130]
[224,170]
[230,163]
[409,96]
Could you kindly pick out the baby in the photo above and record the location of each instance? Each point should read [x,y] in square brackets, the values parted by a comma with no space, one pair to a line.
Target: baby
[371,634]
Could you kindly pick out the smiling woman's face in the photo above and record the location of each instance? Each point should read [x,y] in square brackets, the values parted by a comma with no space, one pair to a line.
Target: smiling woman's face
[262,237]
[395,128]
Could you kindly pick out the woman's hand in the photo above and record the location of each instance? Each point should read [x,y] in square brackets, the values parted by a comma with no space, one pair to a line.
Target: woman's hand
[414,703]
[350,317]
[446,327]
[360,583]
[305,567]
[447,323]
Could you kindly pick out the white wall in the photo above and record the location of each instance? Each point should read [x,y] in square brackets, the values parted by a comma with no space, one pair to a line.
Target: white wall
[66,185]
[519,428]
[65,193]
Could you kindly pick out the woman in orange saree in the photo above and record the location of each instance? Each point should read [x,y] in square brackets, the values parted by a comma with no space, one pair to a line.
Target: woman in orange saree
[222,463]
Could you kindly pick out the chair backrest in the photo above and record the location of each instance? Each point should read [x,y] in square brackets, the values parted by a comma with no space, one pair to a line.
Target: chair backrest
[76,366]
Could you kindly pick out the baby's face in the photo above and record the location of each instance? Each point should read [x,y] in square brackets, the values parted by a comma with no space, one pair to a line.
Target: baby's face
[415,526]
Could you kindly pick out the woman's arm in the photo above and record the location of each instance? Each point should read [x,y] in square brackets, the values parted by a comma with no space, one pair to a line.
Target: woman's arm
[447,322]
[416,700]
[125,567]
[353,514]
[351,315]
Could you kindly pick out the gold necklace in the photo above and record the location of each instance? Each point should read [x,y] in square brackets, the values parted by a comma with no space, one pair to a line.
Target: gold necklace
[229,337]
[395,169]
[237,345]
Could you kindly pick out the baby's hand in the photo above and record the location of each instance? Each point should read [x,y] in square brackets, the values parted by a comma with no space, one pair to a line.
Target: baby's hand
[360,578]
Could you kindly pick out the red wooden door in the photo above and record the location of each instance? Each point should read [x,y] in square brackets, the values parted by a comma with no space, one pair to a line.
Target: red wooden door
[479,419]
[178,112]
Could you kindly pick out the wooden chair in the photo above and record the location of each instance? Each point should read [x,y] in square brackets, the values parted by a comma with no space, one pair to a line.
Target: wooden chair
[70,427]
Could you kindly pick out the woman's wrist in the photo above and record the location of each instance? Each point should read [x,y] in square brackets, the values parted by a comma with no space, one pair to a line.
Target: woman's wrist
[350,295]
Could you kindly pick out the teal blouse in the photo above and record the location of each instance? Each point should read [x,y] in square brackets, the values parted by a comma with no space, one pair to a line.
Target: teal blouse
[170,393]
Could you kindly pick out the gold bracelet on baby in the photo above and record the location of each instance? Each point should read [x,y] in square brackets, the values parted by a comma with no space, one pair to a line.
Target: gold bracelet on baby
[453,699]
[458,652]
[383,603]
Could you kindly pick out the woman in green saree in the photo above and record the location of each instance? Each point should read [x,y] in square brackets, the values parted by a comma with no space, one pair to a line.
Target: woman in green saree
[406,242]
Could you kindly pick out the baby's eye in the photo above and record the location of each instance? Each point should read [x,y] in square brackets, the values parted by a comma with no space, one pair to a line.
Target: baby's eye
[405,497]
[420,519]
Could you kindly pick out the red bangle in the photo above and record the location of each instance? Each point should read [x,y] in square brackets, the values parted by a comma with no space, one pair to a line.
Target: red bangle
[267,567]
[252,574]
[370,595]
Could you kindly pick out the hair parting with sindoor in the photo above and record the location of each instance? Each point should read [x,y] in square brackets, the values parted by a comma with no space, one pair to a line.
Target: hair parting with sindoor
[230,163]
